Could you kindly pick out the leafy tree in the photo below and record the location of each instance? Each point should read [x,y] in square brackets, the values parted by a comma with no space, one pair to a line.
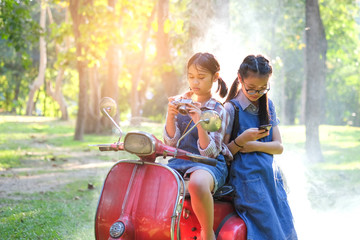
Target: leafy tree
[59,41]
[316,48]
[40,79]
[78,19]
[342,79]
[136,52]
[110,87]
[164,62]
[17,26]
[19,33]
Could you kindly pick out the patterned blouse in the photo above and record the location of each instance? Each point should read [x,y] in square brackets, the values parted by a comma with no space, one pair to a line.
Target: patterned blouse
[216,145]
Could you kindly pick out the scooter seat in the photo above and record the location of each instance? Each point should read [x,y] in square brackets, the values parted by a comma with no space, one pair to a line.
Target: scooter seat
[225,190]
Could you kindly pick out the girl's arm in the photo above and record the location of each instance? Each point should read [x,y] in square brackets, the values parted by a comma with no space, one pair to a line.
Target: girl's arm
[170,126]
[171,133]
[249,135]
[273,147]
[210,144]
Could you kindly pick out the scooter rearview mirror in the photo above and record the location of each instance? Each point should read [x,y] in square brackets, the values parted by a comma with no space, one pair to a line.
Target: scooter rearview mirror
[108,105]
[211,120]
[108,108]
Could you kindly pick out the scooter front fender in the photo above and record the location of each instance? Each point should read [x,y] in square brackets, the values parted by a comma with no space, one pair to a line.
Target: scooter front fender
[144,196]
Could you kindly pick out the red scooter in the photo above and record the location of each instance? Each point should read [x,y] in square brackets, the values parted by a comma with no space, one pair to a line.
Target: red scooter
[142,199]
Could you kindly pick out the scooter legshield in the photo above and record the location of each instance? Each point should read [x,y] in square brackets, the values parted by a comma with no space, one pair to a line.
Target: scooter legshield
[144,196]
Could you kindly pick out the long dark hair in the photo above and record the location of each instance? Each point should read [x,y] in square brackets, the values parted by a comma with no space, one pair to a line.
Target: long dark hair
[260,66]
[209,62]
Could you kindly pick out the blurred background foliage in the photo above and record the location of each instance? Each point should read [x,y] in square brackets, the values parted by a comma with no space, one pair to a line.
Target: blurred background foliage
[144,45]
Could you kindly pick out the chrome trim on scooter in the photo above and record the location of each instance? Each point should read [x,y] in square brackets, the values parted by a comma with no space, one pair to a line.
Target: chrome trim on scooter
[180,204]
[175,218]
[129,188]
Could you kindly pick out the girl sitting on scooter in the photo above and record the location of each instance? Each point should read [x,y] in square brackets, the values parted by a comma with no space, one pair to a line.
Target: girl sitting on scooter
[253,137]
[202,71]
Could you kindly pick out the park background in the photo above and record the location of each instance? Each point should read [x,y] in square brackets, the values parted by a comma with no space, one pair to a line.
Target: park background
[59,58]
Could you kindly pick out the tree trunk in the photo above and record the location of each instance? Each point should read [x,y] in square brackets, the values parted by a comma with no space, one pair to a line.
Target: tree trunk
[82,101]
[16,92]
[316,47]
[169,77]
[110,87]
[293,79]
[39,80]
[78,19]
[135,99]
[56,93]
[200,14]
[92,123]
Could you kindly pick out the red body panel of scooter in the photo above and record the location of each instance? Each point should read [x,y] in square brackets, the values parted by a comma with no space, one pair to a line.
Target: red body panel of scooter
[144,197]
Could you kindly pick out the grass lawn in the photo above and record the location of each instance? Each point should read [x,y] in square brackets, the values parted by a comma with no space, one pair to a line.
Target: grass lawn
[338,176]
[32,148]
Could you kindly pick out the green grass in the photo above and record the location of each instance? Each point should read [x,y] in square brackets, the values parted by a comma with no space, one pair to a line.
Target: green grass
[64,214]
[30,137]
[338,176]
[68,212]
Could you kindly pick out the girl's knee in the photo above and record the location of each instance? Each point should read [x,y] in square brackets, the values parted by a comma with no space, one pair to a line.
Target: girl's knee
[200,183]
[198,187]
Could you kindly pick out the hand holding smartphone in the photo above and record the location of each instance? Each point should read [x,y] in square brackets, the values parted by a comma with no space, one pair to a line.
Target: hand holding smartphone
[265,127]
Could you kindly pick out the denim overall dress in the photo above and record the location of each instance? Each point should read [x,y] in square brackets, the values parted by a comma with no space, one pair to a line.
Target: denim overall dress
[260,198]
[189,143]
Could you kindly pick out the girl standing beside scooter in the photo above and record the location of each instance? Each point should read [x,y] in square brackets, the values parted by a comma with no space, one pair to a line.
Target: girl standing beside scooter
[260,199]
[202,71]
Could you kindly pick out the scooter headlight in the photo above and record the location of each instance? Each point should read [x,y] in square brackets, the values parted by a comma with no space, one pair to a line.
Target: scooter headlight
[139,143]
[117,229]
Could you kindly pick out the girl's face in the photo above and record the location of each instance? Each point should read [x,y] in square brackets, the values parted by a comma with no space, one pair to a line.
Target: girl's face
[201,80]
[254,82]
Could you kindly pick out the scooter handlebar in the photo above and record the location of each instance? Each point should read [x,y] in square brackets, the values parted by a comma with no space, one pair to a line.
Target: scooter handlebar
[182,154]
[103,149]
[109,147]
[161,149]
[202,159]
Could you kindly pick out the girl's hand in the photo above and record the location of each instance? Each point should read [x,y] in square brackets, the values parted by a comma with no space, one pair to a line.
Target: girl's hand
[194,111]
[253,134]
[172,109]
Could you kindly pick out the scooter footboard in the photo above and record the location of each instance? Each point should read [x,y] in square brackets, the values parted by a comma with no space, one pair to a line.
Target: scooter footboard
[144,196]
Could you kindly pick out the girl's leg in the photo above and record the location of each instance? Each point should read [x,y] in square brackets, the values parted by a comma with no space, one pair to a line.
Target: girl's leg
[200,186]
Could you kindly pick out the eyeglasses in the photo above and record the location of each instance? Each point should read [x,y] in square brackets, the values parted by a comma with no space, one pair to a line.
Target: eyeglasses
[253,91]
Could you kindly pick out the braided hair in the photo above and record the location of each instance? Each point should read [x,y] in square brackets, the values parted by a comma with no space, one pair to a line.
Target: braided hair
[256,65]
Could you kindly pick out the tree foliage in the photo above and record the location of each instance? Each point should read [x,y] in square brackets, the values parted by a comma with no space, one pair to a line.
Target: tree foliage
[19,34]
[342,81]
[113,37]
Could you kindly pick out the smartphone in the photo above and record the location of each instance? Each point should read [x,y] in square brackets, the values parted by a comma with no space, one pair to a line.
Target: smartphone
[265,127]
